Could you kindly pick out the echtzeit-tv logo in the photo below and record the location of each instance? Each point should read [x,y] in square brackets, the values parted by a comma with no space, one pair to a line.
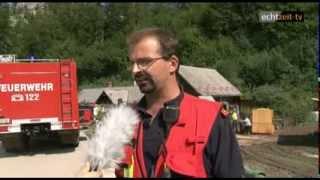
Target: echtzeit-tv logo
[281,16]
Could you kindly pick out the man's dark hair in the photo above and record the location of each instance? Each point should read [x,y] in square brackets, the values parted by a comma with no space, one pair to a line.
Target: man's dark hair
[168,43]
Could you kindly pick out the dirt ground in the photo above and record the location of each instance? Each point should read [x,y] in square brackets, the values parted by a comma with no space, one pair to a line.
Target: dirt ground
[290,152]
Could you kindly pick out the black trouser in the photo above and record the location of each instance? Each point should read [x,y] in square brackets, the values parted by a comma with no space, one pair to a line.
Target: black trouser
[247,129]
[235,125]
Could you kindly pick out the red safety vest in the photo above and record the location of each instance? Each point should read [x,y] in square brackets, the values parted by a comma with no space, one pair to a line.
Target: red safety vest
[183,149]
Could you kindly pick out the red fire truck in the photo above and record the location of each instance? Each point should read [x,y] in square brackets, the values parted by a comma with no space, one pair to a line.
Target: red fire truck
[38,97]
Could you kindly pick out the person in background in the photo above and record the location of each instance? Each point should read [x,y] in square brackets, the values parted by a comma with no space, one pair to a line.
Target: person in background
[247,125]
[234,117]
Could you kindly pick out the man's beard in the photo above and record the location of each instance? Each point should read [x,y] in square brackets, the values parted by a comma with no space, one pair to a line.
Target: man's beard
[145,82]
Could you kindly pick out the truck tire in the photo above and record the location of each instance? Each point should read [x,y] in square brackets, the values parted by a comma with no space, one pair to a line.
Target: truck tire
[69,138]
[13,142]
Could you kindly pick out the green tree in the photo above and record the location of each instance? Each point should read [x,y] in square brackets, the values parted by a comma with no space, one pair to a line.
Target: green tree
[5,29]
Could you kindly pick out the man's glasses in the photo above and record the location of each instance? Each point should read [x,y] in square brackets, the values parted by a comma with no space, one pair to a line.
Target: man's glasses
[145,63]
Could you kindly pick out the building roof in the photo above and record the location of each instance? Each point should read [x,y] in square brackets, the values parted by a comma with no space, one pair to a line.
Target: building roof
[132,93]
[115,95]
[208,82]
[89,95]
[128,94]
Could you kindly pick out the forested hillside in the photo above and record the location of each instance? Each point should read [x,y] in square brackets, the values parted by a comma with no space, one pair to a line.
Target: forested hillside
[273,64]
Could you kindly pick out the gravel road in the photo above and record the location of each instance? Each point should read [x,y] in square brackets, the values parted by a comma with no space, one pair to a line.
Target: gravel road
[44,159]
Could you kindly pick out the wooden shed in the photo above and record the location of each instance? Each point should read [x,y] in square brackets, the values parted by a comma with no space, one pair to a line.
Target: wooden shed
[262,121]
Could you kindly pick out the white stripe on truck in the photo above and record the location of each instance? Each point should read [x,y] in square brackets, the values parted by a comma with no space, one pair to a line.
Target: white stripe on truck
[26,73]
[16,123]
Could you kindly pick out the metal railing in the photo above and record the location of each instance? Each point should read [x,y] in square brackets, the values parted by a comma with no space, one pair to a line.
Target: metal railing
[11,58]
[36,60]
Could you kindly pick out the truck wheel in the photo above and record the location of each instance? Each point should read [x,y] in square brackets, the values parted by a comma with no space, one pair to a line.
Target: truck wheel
[69,138]
[13,143]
